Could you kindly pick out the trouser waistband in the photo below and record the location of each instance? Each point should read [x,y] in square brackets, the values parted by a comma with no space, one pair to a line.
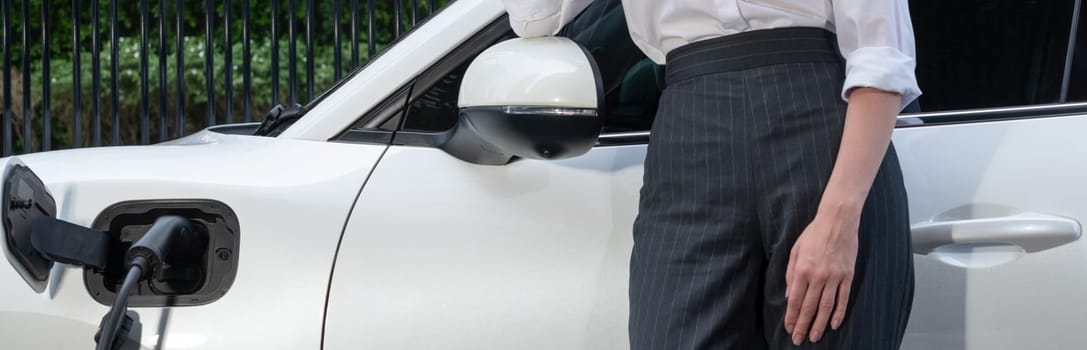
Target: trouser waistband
[751,49]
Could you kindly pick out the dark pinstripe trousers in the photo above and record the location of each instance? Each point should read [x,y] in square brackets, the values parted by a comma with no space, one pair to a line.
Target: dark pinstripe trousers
[735,169]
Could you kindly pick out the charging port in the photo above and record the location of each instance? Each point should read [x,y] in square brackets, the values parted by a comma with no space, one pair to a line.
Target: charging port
[203,270]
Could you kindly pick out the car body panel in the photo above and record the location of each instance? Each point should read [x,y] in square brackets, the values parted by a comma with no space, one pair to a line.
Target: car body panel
[530,255]
[292,198]
[534,254]
[997,296]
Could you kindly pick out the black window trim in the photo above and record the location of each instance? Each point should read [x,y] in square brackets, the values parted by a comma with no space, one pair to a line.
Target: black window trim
[983,115]
[368,128]
[908,120]
[914,120]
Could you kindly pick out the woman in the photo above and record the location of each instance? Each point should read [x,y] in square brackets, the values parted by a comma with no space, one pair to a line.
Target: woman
[773,213]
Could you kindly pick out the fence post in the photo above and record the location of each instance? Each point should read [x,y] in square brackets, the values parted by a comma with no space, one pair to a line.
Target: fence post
[7,78]
[228,64]
[336,50]
[96,76]
[163,83]
[114,92]
[145,118]
[414,12]
[77,110]
[354,34]
[275,52]
[396,18]
[292,54]
[28,139]
[209,61]
[309,50]
[371,30]
[247,78]
[179,57]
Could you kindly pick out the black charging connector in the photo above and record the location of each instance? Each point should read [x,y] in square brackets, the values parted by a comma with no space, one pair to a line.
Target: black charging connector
[167,246]
[129,332]
[171,245]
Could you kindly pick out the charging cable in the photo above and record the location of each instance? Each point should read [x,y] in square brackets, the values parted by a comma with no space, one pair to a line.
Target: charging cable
[169,238]
[108,331]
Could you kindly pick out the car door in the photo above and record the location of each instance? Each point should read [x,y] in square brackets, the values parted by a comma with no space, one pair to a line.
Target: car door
[534,254]
[530,255]
[994,165]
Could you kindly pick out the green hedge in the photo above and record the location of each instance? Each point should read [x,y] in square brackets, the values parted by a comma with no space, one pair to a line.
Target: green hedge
[62,86]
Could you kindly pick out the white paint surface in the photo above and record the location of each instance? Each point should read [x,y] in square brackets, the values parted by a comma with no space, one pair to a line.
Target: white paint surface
[292,198]
[545,71]
[990,297]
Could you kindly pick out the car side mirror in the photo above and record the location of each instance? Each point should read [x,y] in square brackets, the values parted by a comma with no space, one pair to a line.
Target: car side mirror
[536,98]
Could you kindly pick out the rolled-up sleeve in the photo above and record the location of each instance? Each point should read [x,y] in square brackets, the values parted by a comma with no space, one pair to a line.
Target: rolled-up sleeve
[876,39]
[533,18]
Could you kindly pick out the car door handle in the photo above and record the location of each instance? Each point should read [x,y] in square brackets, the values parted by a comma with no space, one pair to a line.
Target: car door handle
[1030,231]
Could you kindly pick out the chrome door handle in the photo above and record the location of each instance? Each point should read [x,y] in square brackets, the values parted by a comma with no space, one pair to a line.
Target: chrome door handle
[1031,231]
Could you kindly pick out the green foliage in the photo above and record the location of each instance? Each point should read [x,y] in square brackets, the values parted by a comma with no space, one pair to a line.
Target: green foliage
[196,95]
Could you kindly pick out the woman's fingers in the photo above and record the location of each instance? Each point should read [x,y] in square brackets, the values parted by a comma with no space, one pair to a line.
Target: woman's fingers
[789,273]
[808,307]
[826,308]
[843,302]
[817,281]
[793,301]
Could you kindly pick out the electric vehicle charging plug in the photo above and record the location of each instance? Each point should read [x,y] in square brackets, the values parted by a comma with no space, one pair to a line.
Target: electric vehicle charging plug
[170,240]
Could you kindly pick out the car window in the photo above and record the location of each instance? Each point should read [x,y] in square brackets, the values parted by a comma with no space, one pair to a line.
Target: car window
[990,53]
[630,79]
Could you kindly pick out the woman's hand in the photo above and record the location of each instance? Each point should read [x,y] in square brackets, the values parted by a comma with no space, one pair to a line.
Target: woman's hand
[820,273]
[823,258]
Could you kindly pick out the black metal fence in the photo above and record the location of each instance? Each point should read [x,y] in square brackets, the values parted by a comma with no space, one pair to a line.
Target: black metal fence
[165,38]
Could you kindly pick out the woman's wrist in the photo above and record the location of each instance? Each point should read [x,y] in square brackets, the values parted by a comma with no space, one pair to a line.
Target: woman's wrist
[838,206]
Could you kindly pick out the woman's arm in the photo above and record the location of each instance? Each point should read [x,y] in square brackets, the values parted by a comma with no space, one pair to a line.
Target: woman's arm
[533,18]
[822,261]
[876,38]
[869,120]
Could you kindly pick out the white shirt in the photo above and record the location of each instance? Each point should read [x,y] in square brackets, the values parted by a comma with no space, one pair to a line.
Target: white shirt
[874,36]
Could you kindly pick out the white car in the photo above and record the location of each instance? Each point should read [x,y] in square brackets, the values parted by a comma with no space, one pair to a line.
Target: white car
[366,224]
